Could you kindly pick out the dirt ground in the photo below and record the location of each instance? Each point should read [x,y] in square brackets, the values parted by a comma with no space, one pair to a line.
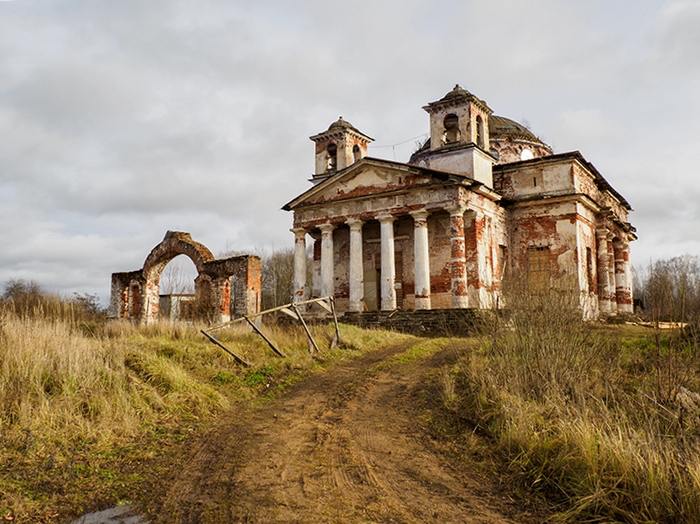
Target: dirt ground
[353,444]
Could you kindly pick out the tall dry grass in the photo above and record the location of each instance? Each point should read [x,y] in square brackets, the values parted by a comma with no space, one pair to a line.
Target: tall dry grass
[84,403]
[576,414]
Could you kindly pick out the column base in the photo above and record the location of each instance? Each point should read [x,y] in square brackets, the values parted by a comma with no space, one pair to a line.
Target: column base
[422,303]
[460,302]
[355,307]
[388,307]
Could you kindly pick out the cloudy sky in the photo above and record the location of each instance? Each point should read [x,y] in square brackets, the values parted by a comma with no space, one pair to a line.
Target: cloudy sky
[122,119]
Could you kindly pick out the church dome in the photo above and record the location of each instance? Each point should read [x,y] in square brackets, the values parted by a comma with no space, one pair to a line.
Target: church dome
[511,141]
[502,127]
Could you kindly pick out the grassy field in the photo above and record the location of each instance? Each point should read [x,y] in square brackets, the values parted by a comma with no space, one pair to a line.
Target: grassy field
[602,421]
[87,408]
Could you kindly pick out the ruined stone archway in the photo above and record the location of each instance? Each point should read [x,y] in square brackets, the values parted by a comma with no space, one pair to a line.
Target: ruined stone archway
[135,295]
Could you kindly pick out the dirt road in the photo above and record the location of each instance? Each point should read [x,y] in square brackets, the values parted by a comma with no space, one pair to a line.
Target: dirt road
[348,445]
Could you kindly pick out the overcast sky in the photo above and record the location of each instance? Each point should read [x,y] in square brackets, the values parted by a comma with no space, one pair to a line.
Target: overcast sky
[122,119]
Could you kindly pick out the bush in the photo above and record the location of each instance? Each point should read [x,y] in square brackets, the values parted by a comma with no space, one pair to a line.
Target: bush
[574,417]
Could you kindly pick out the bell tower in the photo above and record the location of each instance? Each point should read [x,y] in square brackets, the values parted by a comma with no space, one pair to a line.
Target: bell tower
[459,135]
[338,147]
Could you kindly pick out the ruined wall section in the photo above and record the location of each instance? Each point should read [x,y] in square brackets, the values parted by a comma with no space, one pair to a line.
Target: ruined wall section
[486,241]
[135,295]
[545,225]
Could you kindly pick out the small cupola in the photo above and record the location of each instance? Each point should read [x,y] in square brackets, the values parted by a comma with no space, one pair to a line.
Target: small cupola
[458,118]
[339,146]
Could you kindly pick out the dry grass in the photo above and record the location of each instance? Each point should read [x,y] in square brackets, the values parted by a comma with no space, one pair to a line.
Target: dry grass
[85,407]
[577,413]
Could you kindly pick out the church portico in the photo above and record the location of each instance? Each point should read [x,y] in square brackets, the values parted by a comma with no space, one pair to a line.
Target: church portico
[393,259]
[443,230]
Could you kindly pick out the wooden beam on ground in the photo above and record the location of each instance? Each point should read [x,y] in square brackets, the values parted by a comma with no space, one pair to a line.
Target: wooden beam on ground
[237,358]
[306,328]
[262,335]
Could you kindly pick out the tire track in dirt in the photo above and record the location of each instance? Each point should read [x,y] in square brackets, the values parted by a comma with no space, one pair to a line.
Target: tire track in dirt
[347,445]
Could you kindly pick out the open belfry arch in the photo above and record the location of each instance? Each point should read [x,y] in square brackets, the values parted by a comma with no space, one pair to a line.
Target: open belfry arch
[135,294]
[482,198]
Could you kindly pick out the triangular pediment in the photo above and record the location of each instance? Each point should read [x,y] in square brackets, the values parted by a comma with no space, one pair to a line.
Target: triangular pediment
[362,179]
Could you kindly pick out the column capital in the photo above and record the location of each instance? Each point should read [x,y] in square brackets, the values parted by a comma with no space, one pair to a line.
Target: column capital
[420,216]
[326,227]
[602,233]
[386,218]
[354,223]
[456,210]
[299,232]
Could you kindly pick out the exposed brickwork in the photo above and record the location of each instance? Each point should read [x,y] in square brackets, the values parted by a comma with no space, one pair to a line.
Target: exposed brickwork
[136,295]
[523,211]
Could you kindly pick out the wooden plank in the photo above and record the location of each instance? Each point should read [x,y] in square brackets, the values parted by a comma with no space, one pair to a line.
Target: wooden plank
[336,338]
[224,324]
[262,335]
[294,314]
[306,328]
[237,358]
[320,301]
[325,306]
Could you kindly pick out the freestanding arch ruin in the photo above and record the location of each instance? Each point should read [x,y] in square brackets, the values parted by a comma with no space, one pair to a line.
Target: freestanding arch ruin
[135,294]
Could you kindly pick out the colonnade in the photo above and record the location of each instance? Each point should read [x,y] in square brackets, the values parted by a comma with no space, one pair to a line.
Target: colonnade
[614,274]
[421,257]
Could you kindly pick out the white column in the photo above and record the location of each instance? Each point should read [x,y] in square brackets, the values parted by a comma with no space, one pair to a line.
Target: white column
[299,263]
[421,256]
[388,269]
[327,277]
[604,304]
[356,270]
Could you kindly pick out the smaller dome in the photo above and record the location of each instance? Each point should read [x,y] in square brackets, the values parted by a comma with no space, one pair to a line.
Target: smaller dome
[341,124]
[457,92]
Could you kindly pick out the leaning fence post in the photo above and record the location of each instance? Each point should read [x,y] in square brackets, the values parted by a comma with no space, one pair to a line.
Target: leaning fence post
[306,328]
[237,358]
[336,338]
[262,335]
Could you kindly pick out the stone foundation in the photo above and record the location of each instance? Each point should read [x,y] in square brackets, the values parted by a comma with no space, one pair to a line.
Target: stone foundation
[427,323]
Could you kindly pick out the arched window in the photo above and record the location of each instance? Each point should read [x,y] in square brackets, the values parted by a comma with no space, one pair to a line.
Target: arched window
[479,131]
[451,125]
[332,157]
[356,153]
[526,154]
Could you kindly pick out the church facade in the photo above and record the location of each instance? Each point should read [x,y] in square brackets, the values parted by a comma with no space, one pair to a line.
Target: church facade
[484,201]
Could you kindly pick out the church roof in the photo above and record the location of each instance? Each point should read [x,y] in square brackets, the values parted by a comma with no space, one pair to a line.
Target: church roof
[457,93]
[502,127]
[392,164]
[341,125]
[600,180]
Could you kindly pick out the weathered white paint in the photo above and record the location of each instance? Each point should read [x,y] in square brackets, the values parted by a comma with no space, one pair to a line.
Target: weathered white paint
[421,256]
[356,272]
[327,277]
[388,268]
[299,264]
[604,287]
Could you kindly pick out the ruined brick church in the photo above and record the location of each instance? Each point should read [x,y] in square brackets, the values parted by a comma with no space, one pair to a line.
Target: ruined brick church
[483,199]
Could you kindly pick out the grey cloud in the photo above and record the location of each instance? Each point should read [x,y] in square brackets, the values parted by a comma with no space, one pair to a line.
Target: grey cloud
[123,119]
